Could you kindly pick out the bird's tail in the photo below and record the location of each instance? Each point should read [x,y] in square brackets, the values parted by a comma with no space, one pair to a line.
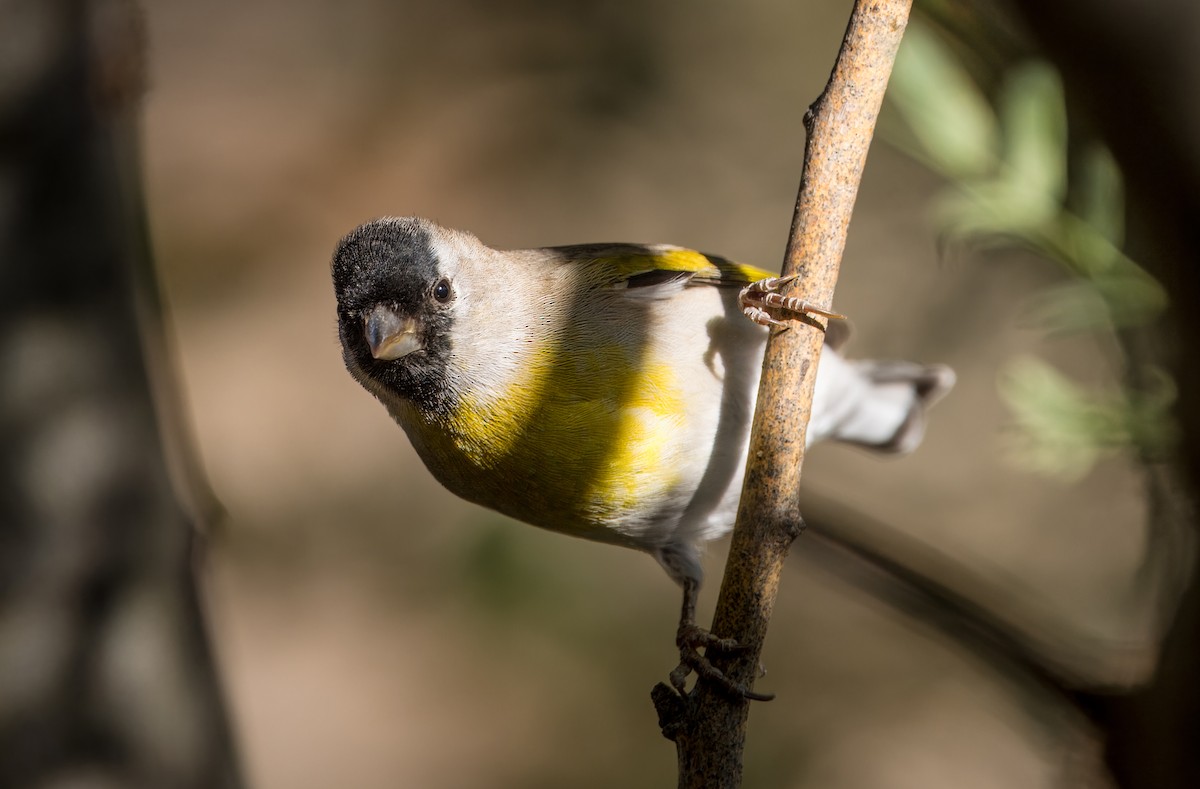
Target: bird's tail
[878,404]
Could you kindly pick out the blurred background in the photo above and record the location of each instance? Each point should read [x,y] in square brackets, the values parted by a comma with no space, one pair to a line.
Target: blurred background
[371,630]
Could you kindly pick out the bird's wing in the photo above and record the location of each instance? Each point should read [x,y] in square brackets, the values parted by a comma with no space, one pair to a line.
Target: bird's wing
[655,270]
[660,271]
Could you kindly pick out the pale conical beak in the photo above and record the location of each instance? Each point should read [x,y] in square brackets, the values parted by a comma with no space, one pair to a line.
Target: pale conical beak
[389,335]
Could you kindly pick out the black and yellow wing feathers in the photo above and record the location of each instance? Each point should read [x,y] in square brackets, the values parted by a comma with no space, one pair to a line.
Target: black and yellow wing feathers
[636,266]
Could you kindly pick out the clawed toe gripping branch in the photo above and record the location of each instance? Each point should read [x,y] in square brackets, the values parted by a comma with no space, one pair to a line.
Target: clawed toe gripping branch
[690,639]
[762,303]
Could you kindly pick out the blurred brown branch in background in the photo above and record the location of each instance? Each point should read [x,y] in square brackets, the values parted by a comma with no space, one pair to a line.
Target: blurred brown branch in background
[106,676]
[709,726]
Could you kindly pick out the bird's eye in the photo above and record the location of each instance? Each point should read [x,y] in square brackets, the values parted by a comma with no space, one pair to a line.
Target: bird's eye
[442,291]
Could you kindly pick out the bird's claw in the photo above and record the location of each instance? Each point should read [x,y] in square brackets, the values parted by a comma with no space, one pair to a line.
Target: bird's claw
[762,303]
[690,639]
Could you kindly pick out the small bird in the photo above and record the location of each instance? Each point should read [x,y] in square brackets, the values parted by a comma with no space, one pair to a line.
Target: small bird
[600,390]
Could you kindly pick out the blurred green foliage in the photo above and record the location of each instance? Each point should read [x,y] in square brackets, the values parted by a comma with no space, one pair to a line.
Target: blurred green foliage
[1018,179]
[1063,428]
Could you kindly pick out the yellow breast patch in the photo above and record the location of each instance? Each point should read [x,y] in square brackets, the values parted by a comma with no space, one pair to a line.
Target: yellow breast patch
[575,446]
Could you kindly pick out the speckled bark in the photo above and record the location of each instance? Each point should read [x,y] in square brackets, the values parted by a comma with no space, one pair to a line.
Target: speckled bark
[709,726]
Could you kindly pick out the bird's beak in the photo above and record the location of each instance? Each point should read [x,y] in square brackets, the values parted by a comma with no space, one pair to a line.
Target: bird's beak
[389,335]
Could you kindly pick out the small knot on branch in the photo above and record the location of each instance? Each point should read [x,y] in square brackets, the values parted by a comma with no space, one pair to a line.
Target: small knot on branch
[671,708]
[810,115]
[796,527]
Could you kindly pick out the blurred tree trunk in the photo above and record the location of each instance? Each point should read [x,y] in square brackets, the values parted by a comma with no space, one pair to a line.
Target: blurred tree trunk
[106,677]
[1134,66]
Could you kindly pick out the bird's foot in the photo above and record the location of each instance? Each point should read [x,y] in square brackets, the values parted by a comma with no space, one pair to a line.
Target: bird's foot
[690,639]
[762,303]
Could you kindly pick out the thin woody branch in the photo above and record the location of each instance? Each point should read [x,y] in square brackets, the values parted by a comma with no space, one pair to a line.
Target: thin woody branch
[708,725]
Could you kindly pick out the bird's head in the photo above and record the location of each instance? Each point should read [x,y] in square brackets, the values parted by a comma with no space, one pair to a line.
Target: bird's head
[396,305]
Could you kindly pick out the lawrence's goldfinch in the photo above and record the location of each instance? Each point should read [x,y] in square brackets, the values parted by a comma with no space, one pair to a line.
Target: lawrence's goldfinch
[599,390]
